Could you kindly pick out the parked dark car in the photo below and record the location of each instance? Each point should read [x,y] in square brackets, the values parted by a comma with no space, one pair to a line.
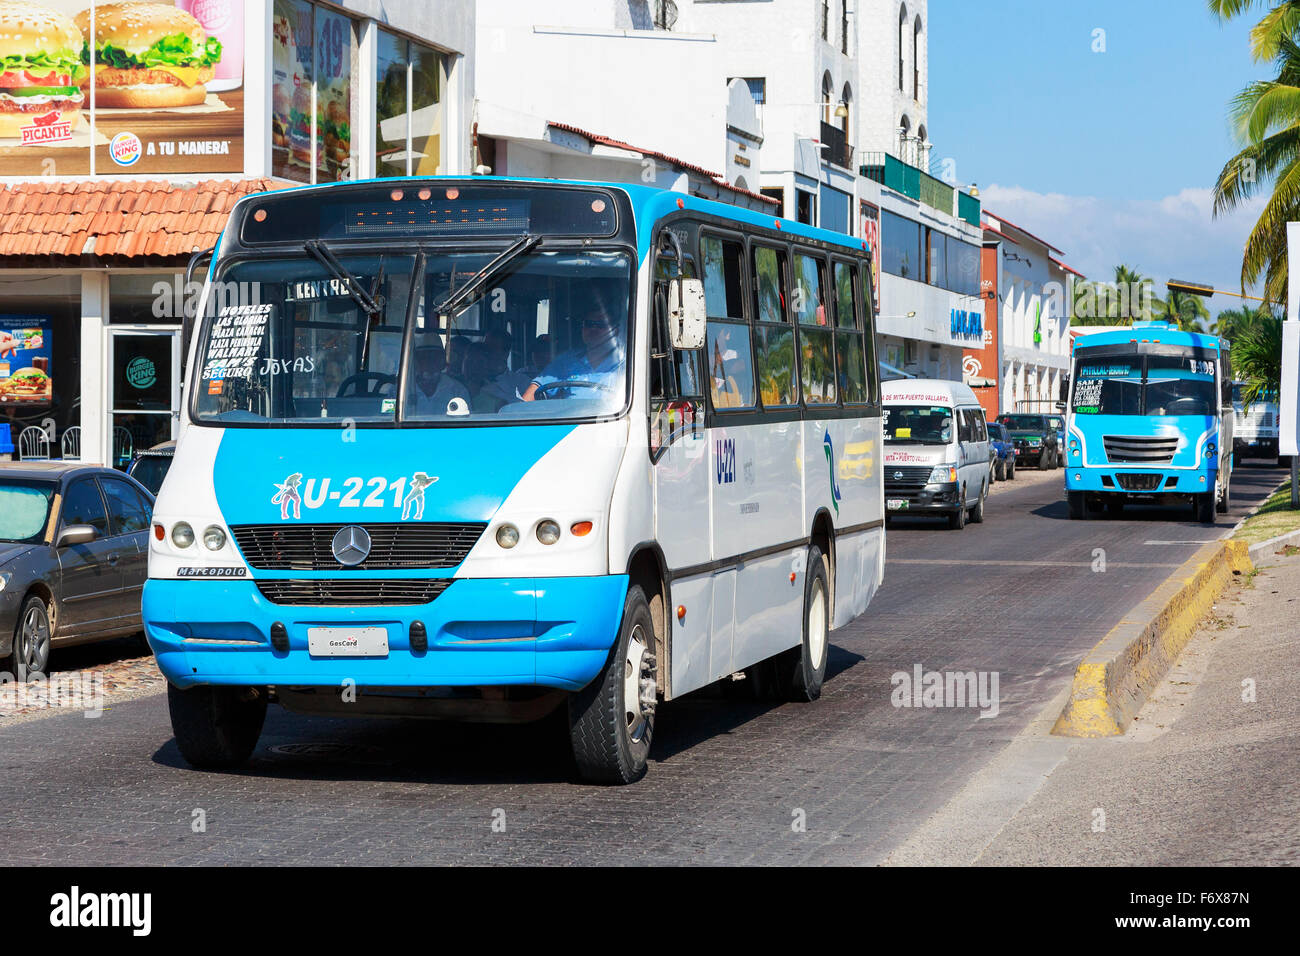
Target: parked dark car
[1035,439]
[1004,451]
[151,465]
[74,552]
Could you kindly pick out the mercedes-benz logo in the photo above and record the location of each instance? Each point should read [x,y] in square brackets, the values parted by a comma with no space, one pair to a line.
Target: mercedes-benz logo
[898,474]
[351,545]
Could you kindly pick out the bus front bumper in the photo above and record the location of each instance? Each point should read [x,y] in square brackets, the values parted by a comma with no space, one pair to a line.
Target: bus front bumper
[542,632]
[1138,481]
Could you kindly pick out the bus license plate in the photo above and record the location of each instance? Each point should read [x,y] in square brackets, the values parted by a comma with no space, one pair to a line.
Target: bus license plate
[347,641]
[896,504]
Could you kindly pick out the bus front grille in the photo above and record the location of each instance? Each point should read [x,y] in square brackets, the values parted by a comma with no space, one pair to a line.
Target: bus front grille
[1138,481]
[310,547]
[356,592]
[1140,450]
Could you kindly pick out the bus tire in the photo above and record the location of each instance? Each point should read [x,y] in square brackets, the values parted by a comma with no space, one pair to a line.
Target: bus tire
[957,519]
[1078,508]
[801,670]
[216,728]
[1204,504]
[610,734]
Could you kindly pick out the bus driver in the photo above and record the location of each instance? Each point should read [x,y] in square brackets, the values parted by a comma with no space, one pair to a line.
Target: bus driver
[598,362]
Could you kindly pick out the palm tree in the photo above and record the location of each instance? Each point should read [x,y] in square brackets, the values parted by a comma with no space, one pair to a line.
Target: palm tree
[1257,359]
[1266,115]
[1129,299]
[1230,324]
[1279,23]
[1185,310]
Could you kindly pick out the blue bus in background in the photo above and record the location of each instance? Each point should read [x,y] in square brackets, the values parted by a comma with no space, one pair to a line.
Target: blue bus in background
[1149,419]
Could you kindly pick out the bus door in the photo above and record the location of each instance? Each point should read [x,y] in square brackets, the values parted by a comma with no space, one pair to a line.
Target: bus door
[680,466]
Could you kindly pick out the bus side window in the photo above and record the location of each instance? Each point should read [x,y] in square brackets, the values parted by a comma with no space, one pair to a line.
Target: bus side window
[773,336]
[727,353]
[853,375]
[867,311]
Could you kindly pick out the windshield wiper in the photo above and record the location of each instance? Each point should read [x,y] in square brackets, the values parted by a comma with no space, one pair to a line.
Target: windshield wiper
[525,243]
[325,256]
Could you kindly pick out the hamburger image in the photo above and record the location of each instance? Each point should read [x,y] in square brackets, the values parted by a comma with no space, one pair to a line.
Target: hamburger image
[148,56]
[40,66]
[26,383]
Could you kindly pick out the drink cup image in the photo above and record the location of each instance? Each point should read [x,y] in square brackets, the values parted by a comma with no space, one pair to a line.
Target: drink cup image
[224,20]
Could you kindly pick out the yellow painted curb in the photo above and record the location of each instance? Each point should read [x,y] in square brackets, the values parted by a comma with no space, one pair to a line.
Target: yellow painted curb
[1116,677]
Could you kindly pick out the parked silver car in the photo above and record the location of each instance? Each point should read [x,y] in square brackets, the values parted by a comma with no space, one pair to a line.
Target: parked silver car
[73,558]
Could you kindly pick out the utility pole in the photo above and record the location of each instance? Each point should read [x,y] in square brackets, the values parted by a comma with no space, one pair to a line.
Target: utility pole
[1288,431]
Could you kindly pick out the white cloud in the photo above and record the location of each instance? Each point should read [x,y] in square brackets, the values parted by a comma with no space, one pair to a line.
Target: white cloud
[1174,237]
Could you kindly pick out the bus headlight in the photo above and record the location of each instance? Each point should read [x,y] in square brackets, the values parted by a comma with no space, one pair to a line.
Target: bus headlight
[940,474]
[182,535]
[548,532]
[507,536]
[214,539]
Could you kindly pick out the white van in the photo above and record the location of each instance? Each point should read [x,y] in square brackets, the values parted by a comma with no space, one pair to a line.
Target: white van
[937,451]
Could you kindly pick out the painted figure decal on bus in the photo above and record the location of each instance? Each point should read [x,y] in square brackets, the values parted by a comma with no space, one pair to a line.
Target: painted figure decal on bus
[286,496]
[829,448]
[415,497]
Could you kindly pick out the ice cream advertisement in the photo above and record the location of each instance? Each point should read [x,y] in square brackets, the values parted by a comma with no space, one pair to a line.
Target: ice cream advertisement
[25,350]
[143,87]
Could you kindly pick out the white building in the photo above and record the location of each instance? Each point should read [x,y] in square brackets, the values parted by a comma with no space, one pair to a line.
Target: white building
[820,134]
[1032,284]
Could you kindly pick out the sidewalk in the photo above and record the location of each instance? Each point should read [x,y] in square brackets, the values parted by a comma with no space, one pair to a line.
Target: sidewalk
[1205,778]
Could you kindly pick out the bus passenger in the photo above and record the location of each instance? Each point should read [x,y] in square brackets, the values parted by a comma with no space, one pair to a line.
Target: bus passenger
[435,387]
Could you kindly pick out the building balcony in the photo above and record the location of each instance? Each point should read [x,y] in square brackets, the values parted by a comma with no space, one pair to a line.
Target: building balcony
[892,173]
[839,151]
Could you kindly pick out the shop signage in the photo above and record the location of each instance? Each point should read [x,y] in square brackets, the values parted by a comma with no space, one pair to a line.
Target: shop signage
[966,324]
[25,351]
[168,99]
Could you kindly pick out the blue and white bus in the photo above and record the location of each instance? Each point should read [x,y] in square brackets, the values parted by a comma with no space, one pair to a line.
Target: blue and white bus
[486,448]
[1149,419]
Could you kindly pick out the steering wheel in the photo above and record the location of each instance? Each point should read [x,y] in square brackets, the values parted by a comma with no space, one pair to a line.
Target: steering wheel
[365,384]
[571,383]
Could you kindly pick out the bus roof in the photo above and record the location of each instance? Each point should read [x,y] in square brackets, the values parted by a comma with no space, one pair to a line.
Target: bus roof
[649,203]
[1164,333]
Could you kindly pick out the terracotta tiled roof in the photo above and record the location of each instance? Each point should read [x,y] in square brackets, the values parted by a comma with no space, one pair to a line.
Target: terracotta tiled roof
[716,178]
[115,220]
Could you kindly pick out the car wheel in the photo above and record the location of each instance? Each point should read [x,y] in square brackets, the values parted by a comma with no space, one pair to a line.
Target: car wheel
[1011,471]
[957,520]
[216,728]
[977,513]
[611,720]
[1044,462]
[801,670]
[30,655]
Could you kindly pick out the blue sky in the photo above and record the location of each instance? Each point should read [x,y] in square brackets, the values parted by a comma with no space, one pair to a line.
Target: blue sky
[1109,155]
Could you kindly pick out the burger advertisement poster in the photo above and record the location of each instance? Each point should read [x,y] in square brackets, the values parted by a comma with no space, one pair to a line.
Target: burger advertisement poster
[25,350]
[146,87]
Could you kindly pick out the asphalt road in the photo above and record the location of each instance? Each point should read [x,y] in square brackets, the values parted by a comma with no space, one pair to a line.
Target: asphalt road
[843,780]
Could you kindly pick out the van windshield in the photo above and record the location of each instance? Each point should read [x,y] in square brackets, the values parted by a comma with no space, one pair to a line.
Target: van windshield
[917,424]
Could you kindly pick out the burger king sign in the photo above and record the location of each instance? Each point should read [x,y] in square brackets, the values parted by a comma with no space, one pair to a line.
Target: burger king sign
[125,148]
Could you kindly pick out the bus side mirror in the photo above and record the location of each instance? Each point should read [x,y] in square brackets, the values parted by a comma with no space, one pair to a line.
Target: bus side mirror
[687,314]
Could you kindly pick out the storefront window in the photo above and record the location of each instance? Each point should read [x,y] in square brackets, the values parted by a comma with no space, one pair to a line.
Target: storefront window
[145,298]
[408,97]
[40,355]
[313,101]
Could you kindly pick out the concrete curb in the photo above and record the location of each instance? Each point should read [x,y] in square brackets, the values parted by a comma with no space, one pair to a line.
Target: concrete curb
[1115,678]
[1262,549]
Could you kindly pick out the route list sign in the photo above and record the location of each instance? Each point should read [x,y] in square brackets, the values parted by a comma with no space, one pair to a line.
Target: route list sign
[237,336]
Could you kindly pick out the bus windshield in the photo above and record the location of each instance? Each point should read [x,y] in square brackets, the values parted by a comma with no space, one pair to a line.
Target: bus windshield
[1144,384]
[917,424]
[545,339]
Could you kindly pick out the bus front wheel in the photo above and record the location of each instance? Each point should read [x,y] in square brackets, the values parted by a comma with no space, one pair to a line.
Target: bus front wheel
[1078,507]
[216,728]
[801,670]
[611,720]
[1203,504]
